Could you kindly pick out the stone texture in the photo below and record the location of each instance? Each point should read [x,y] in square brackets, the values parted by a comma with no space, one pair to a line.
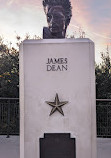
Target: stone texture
[76,85]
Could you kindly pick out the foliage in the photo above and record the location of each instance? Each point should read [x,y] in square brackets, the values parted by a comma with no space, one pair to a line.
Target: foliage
[103,77]
[103,91]
[9,68]
[9,71]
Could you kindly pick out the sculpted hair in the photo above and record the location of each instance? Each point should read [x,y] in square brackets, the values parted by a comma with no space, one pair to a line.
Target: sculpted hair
[66,4]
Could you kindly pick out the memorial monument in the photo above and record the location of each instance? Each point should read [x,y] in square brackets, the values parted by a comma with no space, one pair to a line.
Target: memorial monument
[57,91]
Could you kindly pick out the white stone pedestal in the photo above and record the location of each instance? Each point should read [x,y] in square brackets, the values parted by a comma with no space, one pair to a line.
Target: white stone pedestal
[70,73]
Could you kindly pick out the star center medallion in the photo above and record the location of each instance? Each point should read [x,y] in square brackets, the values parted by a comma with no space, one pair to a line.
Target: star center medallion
[57,105]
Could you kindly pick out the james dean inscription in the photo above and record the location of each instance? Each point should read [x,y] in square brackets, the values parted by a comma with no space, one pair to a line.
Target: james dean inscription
[57,64]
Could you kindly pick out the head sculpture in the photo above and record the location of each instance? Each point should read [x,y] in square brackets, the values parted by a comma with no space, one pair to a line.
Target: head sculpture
[58,13]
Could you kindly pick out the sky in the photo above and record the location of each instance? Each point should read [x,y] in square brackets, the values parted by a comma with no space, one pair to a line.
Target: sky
[19,17]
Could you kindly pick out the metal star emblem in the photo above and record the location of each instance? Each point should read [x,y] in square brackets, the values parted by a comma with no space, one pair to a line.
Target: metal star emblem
[56,105]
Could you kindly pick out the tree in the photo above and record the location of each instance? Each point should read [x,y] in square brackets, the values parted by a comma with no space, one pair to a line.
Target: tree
[9,71]
[103,77]
[9,68]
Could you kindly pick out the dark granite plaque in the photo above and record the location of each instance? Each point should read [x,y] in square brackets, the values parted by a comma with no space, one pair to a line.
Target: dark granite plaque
[57,145]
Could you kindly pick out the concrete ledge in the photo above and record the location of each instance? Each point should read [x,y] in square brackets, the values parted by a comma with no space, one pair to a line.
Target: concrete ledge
[58,41]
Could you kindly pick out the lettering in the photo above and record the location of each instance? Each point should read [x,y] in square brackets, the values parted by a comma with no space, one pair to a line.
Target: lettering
[56,67]
[57,61]
[57,64]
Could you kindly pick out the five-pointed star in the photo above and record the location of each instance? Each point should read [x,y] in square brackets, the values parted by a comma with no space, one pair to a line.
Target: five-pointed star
[56,105]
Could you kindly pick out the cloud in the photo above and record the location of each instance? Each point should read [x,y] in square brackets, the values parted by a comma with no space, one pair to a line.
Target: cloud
[16,4]
[10,2]
[23,3]
[94,17]
[89,15]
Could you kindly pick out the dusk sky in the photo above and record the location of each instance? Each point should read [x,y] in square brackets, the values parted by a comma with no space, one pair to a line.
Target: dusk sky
[18,17]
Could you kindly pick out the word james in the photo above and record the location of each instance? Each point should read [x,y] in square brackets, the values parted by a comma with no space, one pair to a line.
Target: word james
[57,64]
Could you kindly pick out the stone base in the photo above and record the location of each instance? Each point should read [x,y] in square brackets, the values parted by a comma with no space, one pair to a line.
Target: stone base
[65,67]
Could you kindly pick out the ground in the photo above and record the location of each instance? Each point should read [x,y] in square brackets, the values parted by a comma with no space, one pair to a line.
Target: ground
[9,147]
[103,148]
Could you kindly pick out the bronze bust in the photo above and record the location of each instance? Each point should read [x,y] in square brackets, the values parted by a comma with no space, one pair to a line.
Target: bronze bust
[58,13]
